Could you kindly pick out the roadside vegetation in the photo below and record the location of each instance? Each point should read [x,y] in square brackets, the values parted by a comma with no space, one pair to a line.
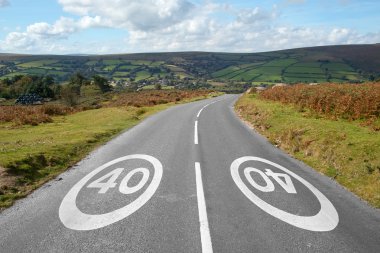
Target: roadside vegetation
[333,128]
[38,142]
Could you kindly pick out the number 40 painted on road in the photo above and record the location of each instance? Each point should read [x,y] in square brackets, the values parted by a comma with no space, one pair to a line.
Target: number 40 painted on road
[269,187]
[123,187]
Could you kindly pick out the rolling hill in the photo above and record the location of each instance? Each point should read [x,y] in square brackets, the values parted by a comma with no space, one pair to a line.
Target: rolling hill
[346,63]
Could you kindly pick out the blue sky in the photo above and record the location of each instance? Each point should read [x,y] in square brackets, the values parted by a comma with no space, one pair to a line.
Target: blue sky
[127,26]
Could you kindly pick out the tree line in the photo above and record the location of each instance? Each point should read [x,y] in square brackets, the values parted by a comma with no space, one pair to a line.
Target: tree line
[46,87]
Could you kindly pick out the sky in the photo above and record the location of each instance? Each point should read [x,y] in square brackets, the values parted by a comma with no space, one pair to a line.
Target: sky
[131,26]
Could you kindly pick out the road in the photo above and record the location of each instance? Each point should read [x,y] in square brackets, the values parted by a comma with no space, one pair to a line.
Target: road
[193,178]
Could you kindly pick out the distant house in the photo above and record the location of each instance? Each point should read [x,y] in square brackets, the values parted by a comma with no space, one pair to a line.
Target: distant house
[29,99]
[313,83]
[280,85]
[260,88]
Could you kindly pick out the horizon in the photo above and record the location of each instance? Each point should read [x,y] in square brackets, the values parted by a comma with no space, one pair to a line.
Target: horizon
[174,52]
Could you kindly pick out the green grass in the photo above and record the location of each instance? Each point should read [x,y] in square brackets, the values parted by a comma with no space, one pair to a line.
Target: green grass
[28,149]
[140,62]
[91,63]
[10,75]
[36,64]
[112,62]
[57,73]
[334,66]
[141,75]
[225,71]
[120,74]
[343,150]
[109,67]
[280,63]
[128,67]
[35,71]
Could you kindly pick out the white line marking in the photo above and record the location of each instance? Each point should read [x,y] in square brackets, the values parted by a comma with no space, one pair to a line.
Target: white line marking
[196,132]
[203,221]
[200,111]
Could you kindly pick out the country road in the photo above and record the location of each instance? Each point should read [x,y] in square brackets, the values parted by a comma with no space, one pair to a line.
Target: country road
[192,178]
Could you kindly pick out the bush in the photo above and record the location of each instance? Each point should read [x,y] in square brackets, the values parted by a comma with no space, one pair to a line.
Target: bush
[32,115]
[347,101]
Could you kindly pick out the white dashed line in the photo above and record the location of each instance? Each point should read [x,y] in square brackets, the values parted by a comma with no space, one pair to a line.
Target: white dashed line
[203,221]
[196,132]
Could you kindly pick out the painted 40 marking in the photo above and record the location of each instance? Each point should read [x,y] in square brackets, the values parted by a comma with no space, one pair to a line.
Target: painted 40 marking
[75,219]
[287,184]
[123,188]
[325,220]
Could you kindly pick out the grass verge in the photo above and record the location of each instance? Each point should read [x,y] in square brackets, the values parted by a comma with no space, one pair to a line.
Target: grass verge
[33,155]
[341,149]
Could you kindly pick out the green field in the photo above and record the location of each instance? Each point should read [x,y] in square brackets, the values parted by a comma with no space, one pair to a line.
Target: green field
[109,68]
[319,64]
[36,64]
[128,67]
[141,75]
[35,71]
[289,70]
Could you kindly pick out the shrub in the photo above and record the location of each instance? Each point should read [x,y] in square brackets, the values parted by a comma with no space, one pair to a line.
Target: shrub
[347,101]
[32,115]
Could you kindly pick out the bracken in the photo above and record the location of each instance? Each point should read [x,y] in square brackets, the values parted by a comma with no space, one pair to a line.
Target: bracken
[347,101]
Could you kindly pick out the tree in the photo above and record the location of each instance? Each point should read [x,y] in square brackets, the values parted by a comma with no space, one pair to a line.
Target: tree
[76,82]
[69,95]
[158,86]
[77,78]
[102,83]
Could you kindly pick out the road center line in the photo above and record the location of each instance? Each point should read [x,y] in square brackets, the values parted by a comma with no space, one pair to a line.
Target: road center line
[203,221]
[196,132]
[200,111]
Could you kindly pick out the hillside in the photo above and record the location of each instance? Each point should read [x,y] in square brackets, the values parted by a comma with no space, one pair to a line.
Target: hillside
[348,63]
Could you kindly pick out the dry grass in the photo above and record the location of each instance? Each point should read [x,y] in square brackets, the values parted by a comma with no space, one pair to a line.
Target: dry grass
[346,101]
[32,115]
[155,97]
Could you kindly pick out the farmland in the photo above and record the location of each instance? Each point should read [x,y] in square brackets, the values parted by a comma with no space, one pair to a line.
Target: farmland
[308,65]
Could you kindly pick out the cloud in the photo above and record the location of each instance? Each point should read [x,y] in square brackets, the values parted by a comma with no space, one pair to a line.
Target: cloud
[41,34]
[3,3]
[295,1]
[133,14]
[174,25]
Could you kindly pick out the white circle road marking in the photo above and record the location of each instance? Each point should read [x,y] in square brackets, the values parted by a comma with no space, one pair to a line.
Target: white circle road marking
[325,220]
[74,219]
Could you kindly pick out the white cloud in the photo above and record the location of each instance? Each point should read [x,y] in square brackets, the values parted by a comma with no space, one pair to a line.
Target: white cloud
[175,25]
[38,35]
[295,1]
[133,14]
[4,3]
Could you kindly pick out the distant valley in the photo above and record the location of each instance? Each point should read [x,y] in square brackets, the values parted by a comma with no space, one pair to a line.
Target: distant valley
[349,63]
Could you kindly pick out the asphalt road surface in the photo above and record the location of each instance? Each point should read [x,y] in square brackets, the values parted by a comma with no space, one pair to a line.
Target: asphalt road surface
[193,178]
